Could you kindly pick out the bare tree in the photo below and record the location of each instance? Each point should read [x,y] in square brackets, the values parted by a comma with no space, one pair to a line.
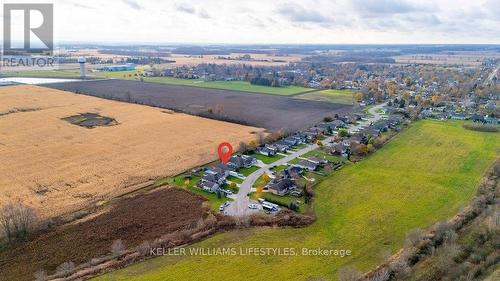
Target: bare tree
[65,268]
[348,274]
[446,256]
[117,248]
[401,270]
[144,249]
[40,276]
[261,138]
[381,275]
[17,220]
[414,237]
[243,147]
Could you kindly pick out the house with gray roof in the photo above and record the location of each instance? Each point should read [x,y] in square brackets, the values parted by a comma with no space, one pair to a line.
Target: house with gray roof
[281,187]
[308,165]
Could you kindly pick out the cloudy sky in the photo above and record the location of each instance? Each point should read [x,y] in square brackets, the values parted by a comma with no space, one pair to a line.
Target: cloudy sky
[266,21]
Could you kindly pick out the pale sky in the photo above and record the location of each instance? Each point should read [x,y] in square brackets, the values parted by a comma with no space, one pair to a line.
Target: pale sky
[256,21]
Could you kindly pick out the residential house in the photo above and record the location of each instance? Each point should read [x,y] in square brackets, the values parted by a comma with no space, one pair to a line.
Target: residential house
[213,178]
[458,116]
[292,172]
[477,118]
[291,141]
[215,174]
[310,136]
[282,146]
[241,161]
[299,139]
[338,124]
[282,186]
[340,149]
[267,151]
[209,186]
[317,160]
[308,165]
[491,120]
[278,147]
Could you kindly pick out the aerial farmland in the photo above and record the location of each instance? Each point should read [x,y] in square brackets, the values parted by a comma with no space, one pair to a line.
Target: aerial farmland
[62,151]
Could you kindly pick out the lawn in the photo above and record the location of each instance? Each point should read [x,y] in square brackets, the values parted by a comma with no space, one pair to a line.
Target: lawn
[234,179]
[425,174]
[262,181]
[225,85]
[267,159]
[278,169]
[47,73]
[330,95]
[321,154]
[190,184]
[247,171]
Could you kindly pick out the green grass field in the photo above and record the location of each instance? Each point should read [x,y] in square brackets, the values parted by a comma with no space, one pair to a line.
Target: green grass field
[234,179]
[225,85]
[134,75]
[190,184]
[424,175]
[267,159]
[247,171]
[330,95]
[50,74]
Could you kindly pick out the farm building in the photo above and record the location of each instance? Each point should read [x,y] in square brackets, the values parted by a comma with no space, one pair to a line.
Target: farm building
[124,67]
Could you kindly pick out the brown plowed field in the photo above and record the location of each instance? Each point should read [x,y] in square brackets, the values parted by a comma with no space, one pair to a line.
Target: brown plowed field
[133,220]
[272,112]
[57,167]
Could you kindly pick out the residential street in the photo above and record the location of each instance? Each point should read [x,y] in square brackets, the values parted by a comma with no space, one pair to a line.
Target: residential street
[493,74]
[239,207]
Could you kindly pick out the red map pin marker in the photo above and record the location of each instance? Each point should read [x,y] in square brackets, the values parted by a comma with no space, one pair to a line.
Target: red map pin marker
[225,150]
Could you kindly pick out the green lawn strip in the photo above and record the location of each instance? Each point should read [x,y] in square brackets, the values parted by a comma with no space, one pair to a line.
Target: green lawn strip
[425,174]
[366,110]
[233,187]
[234,179]
[330,95]
[191,185]
[300,146]
[47,73]
[261,181]
[278,169]
[267,159]
[225,85]
[247,171]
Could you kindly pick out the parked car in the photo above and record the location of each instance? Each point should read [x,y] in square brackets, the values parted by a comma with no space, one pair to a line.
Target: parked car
[261,200]
[252,206]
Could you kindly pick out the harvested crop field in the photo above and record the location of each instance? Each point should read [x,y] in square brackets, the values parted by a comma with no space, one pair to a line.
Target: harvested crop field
[58,167]
[261,110]
[133,220]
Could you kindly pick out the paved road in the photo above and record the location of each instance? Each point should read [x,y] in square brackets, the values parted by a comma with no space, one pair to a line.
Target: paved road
[492,74]
[239,207]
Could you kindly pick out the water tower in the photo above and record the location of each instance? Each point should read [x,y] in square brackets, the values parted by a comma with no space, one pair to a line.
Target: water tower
[82,61]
